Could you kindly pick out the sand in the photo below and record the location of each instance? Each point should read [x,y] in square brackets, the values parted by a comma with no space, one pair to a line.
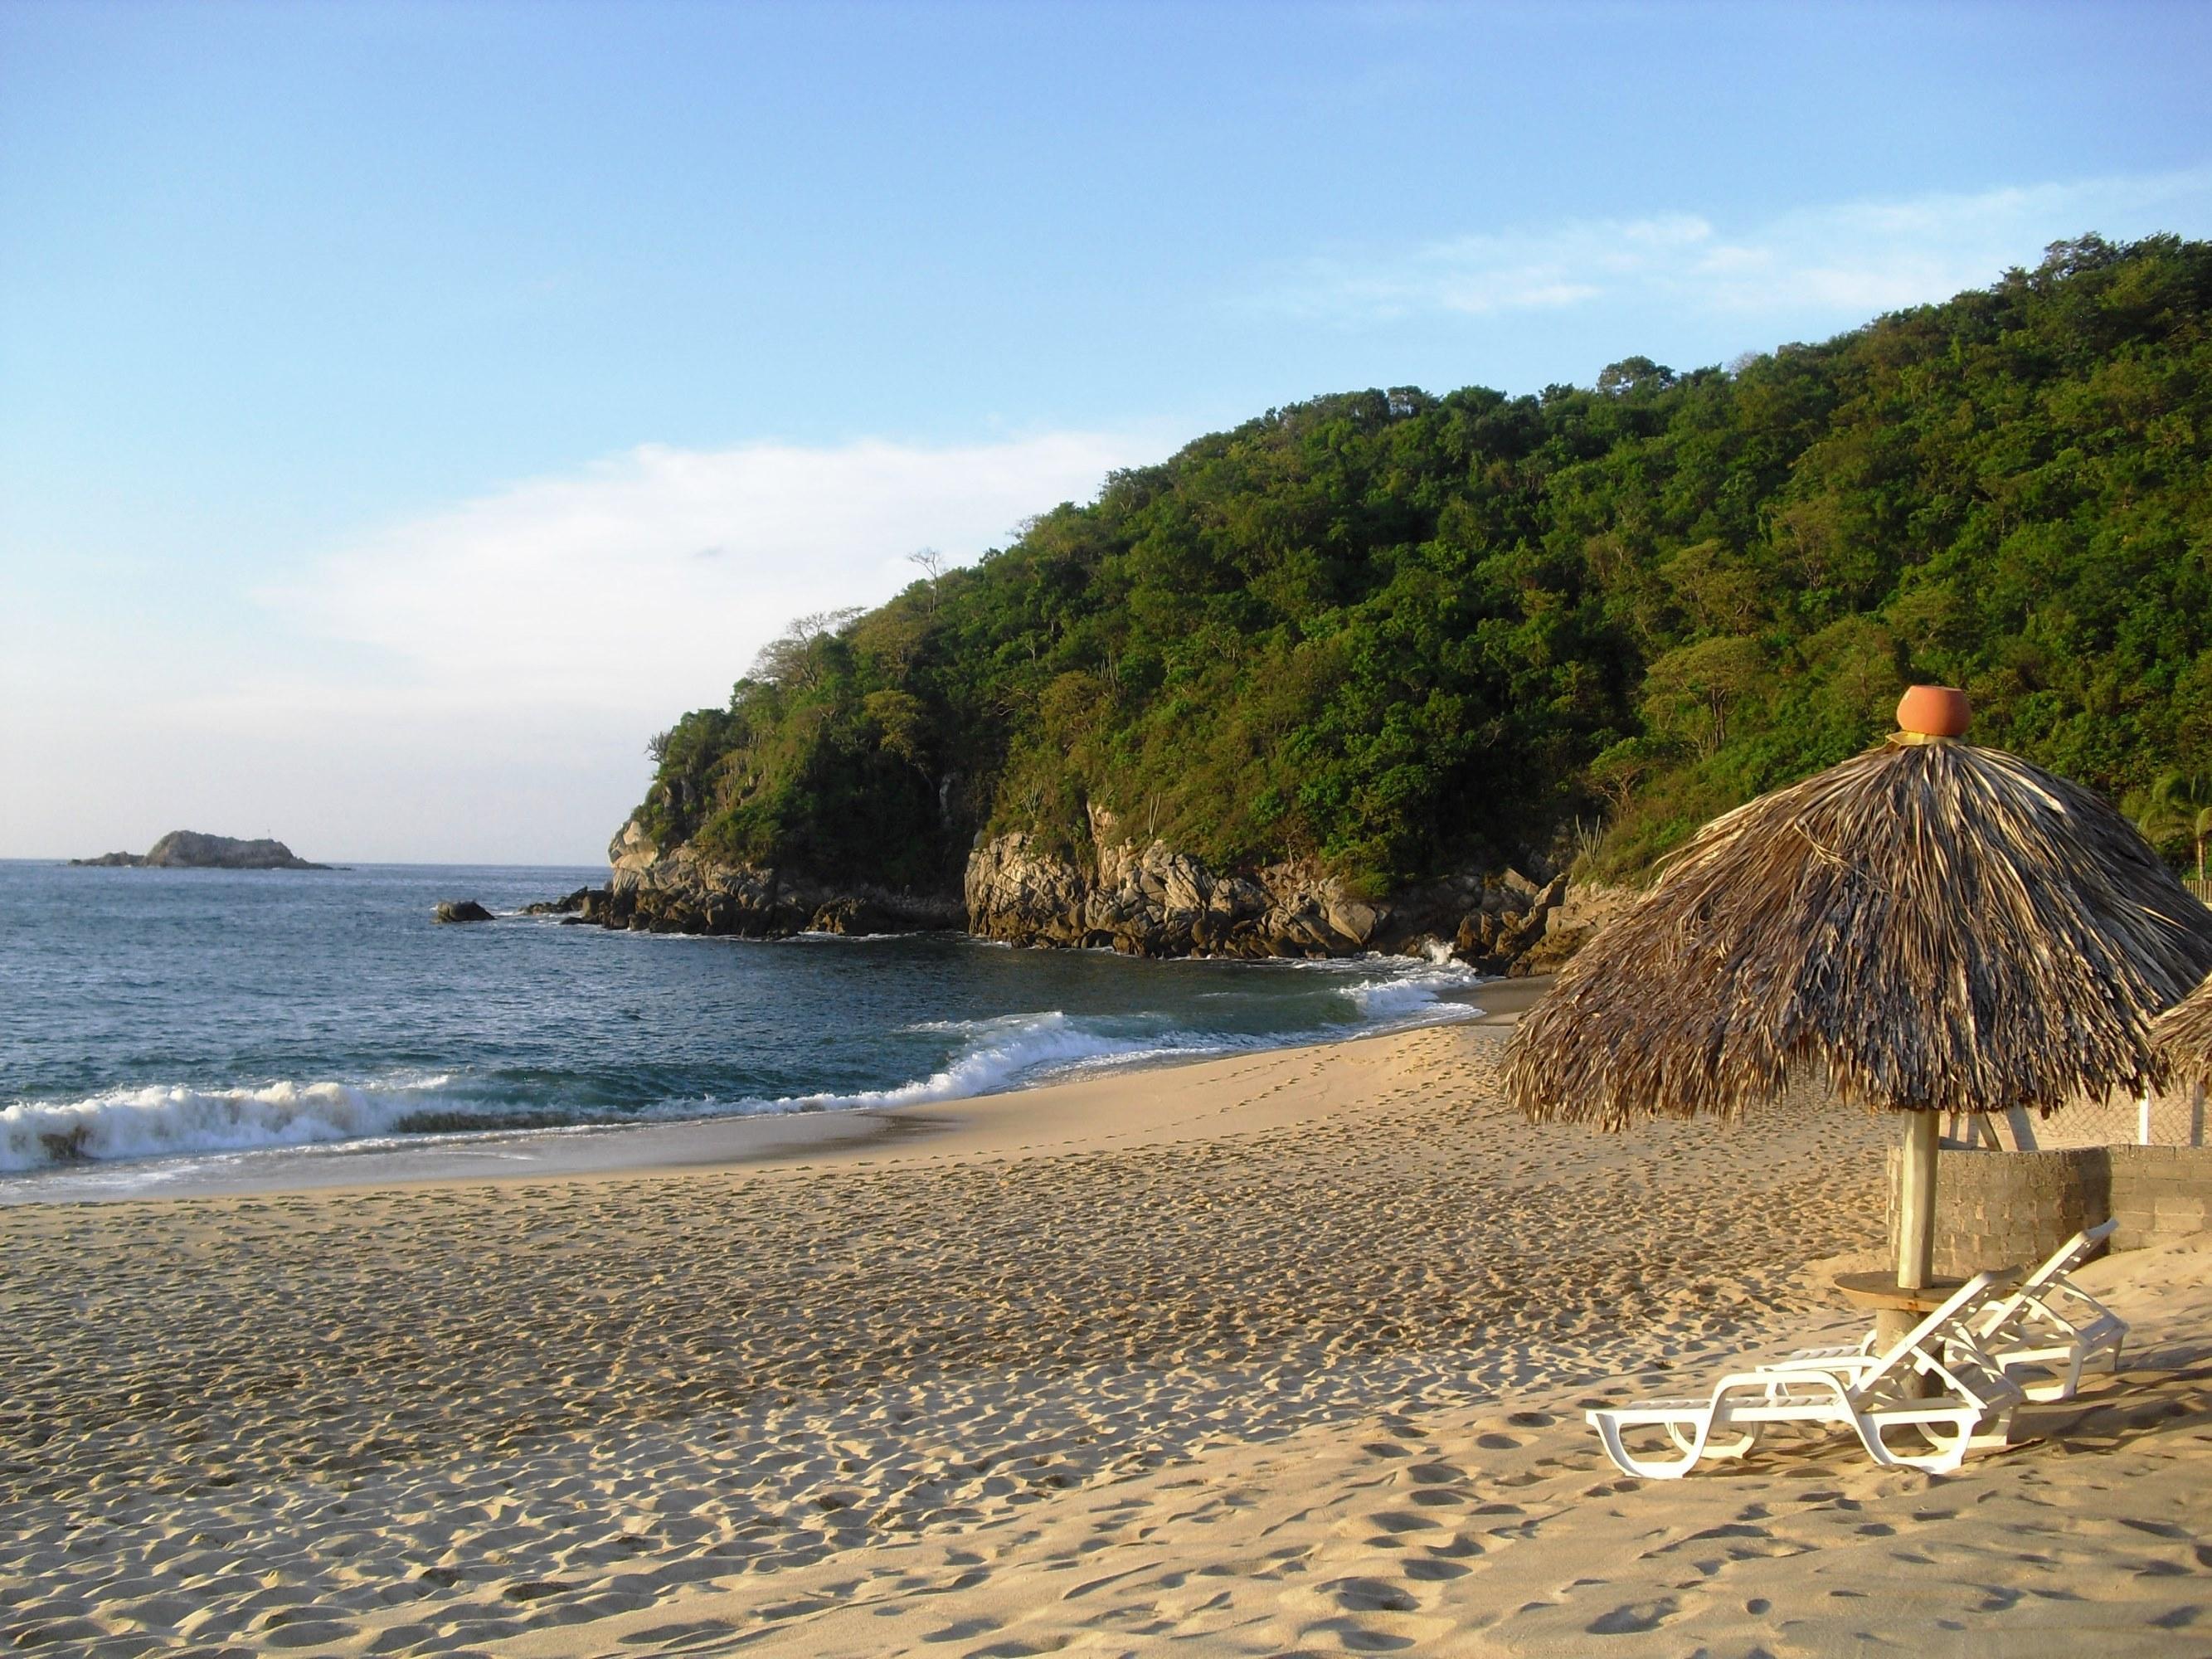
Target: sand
[1270,1355]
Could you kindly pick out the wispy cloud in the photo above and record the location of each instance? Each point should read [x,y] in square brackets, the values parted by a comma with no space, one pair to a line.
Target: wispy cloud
[513,652]
[648,580]
[1846,259]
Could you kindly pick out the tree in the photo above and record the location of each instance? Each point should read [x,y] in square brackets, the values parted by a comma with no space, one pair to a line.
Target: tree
[1618,769]
[1689,693]
[795,658]
[932,563]
[1634,374]
[902,721]
[2176,805]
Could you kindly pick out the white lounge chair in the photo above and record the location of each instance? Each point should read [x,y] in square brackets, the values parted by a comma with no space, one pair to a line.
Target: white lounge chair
[2045,1331]
[1874,1395]
[2049,1324]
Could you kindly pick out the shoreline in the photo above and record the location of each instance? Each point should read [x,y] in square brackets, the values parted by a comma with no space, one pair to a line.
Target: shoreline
[994,1122]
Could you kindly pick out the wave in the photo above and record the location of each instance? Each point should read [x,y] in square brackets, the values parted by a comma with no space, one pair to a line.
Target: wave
[1013,1049]
[1389,993]
[1355,996]
[162,1119]
[1417,991]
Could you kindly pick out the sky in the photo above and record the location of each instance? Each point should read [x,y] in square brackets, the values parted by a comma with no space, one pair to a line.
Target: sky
[407,410]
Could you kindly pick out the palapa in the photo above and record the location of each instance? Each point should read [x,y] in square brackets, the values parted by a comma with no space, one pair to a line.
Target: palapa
[2184,1035]
[1938,927]
[1935,927]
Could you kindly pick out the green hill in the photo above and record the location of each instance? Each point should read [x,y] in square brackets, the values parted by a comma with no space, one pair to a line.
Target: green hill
[1394,635]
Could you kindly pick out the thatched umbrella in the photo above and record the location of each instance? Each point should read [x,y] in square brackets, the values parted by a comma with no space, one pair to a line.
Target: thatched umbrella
[2184,1035]
[1938,927]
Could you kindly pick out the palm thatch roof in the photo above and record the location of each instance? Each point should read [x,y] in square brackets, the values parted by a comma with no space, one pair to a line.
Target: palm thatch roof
[1939,927]
[2184,1035]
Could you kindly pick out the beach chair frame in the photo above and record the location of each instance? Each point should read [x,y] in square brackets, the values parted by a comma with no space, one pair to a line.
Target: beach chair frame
[1874,1395]
[2044,1324]
[2050,1324]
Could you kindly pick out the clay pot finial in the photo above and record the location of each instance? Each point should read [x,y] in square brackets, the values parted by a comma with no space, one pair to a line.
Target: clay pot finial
[1934,711]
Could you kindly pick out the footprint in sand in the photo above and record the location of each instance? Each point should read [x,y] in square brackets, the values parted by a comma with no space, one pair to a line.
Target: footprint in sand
[1634,1619]
[1371,1595]
[1398,1520]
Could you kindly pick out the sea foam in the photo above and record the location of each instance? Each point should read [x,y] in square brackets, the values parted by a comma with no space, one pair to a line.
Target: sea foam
[1364,996]
[165,1118]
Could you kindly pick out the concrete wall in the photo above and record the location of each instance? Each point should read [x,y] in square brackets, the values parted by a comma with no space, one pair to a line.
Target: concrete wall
[2000,1209]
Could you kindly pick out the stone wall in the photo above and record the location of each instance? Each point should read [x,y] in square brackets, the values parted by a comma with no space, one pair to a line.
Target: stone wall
[1997,1209]
[2160,1193]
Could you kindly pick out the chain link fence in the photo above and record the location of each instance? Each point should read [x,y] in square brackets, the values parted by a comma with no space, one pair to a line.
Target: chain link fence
[2172,1118]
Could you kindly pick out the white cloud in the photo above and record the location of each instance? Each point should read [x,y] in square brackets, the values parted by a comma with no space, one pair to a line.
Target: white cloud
[648,580]
[1846,259]
[478,682]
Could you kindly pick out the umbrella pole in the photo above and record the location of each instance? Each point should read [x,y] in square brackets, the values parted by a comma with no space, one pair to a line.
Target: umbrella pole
[1916,1203]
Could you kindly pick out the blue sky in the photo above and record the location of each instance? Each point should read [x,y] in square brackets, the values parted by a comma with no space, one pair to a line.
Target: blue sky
[406,408]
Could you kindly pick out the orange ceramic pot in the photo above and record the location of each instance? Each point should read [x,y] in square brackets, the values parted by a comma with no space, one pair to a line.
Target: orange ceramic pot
[1934,711]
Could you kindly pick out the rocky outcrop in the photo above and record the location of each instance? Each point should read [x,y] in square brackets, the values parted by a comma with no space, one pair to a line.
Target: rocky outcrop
[460,910]
[1149,901]
[187,850]
[568,904]
[1575,920]
[1152,901]
[1155,902]
[675,890]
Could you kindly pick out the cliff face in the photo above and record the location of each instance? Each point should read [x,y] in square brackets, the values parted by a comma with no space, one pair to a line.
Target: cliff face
[1148,901]
[1155,902]
[674,891]
[1152,901]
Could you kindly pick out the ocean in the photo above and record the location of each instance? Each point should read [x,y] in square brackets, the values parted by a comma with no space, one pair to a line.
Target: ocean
[162,1024]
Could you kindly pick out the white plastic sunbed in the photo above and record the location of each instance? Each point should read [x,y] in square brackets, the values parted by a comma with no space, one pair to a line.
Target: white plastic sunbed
[1873,1396]
[2051,1325]
[2045,1332]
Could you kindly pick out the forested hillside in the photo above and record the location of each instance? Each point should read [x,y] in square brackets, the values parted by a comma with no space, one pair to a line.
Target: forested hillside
[1399,634]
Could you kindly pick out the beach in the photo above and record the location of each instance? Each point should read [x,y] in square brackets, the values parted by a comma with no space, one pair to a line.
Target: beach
[1277,1353]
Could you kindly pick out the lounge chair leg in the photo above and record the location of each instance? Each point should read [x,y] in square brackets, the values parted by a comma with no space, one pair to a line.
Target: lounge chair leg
[1739,1446]
[1993,1433]
[1645,1468]
[1949,1455]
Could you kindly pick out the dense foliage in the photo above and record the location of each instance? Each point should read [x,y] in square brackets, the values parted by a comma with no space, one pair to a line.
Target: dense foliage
[1398,633]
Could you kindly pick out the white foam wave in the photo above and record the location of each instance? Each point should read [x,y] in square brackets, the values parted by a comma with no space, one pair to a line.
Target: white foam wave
[1415,991]
[164,1119]
[988,1055]
[1000,1052]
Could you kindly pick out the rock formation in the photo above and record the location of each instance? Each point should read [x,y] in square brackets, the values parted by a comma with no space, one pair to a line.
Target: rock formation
[187,850]
[675,890]
[1154,902]
[1148,901]
[568,904]
[460,910]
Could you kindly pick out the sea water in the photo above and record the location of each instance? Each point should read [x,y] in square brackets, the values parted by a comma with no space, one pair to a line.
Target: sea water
[154,1019]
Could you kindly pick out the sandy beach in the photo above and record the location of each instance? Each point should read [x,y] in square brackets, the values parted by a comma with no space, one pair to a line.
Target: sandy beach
[1277,1354]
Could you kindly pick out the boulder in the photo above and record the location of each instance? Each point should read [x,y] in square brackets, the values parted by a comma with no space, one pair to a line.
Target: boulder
[567,904]
[460,910]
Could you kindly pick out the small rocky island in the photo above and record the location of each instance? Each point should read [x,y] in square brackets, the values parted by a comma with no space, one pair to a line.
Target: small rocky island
[188,849]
